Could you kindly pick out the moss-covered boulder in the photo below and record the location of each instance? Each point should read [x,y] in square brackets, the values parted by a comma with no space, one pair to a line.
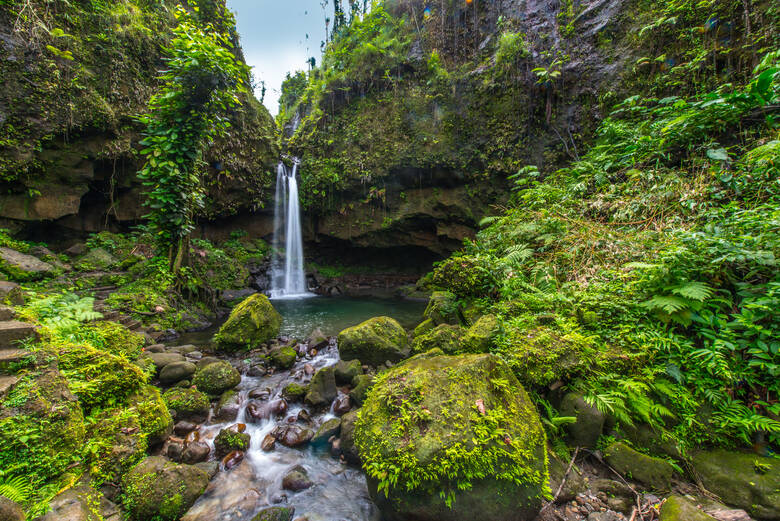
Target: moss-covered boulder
[154,418]
[326,430]
[423,327]
[283,357]
[585,431]
[678,508]
[452,438]
[347,371]
[229,440]
[294,392]
[216,378]
[253,322]
[115,443]
[480,336]
[160,490]
[176,372]
[187,404]
[443,308]
[322,389]
[655,473]
[119,340]
[40,420]
[361,384]
[22,267]
[444,336]
[374,342]
[743,480]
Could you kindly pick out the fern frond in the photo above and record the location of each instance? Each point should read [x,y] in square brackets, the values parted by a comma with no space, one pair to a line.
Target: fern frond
[17,489]
[698,291]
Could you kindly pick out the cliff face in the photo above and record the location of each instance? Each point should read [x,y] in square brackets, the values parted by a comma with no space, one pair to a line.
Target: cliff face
[74,76]
[421,111]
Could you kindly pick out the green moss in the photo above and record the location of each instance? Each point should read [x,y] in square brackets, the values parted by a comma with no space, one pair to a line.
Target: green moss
[480,337]
[229,440]
[423,431]
[216,378]
[283,357]
[466,276]
[253,322]
[294,392]
[423,327]
[445,337]
[154,418]
[443,308]
[118,340]
[374,342]
[115,443]
[652,472]
[187,403]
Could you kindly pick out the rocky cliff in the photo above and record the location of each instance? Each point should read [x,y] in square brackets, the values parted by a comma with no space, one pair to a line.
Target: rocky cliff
[75,74]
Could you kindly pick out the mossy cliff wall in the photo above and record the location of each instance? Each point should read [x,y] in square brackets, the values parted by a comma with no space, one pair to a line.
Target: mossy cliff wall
[74,76]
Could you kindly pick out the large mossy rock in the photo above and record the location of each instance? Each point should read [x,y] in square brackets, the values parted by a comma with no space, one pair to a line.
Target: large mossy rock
[444,336]
[22,267]
[585,431]
[457,427]
[743,480]
[253,322]
[678,508]
[160,490]
[655,473]
[187,404]
[322,389]
[443,308]
[216,378]
[374,342]
[480,336]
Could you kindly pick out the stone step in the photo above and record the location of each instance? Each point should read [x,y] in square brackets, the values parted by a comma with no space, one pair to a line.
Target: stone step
[11,356]
[7,313]
[6,382]
[11,331]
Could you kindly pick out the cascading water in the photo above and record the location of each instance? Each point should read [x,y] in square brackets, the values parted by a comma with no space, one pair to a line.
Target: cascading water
[287,277]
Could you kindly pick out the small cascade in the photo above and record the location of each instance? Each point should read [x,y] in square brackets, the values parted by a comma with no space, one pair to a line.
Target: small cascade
[288,279]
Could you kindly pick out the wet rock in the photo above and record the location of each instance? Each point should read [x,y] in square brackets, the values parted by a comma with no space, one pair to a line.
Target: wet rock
[275,514]
[297,479]
[261,393]
[216,378]
[268,443]
[277,407]
[744,480]
[10,511]
[251,323]
[322,389]
[192,437]
[345,372]
[238,427]
[347,438]
[317,340]
[342,404]
[303,416]
[160,360]
[176,371]
[586,430]
[653,472]
[325,431]
[308,369]
[257,370]
[292,435]
[211,468]
[174,448]
[294,392]
[187,404]
[575,481]
[195,453]
[206,360]
[158,488]
[232,459]
[183,349]
[257,411]
[155,348]
[195,355]
[283,357]
[374,342]
[335,447]
[229,440]
[360,387]
[228,406]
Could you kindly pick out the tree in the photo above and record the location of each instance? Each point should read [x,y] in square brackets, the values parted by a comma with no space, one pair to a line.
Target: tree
[199,86]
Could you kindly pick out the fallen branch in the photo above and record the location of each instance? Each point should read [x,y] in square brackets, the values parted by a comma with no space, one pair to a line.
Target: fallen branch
[563,481]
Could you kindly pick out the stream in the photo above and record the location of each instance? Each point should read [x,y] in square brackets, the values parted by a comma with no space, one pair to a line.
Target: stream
[339,492]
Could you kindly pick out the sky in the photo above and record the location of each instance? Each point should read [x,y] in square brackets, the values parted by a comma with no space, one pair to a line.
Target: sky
[273,36]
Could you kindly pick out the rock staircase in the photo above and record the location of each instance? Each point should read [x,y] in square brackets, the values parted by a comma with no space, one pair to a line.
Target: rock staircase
[11,332]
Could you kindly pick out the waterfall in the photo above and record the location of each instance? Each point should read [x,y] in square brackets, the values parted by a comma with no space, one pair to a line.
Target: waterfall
[287,276]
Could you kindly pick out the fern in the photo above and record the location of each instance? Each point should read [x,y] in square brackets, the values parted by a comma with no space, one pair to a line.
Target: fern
[17,489]
[517,254]
[487,221]
[698,291]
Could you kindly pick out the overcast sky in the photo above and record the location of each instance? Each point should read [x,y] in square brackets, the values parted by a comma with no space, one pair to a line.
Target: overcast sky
[274,39]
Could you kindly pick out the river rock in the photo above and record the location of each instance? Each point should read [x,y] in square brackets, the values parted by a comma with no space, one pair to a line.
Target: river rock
[256,411]
[80,503]
[187,404]
[296,479]
[342,404]
[228,406]
[160,360]
[211,468]
[277,407]
[157,488]
[374,342]
[233,458]
[268,443]
[317,340]
[10,511]
[195,452]
[585,431]
[678,508]
[22,267]
[653,472]
[155,348]
[206,360]
[283,357]
[322,389]
[433,389]
[443,308]
[275,514]
[294,392]
[326,430]
[292,435]
[347,438]
[360,387]
[744,480]
[176,371]
[229,440]
[216,378]
[253,322]
[345,372]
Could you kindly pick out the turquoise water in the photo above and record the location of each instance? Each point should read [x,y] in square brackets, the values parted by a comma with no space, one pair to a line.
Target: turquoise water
[332,314]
